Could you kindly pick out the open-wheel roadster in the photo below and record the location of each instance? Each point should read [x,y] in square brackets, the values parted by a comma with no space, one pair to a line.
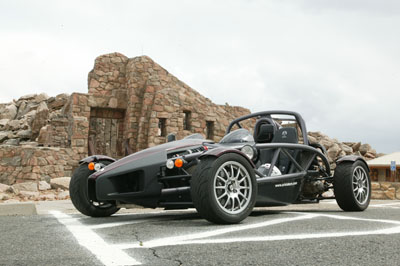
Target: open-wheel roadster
[224,181]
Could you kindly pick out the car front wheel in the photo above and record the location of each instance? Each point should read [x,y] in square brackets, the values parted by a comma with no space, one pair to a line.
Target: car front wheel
[224,189]
[78,190]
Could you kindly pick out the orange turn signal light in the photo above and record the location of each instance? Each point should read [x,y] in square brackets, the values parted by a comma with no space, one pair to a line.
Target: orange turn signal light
[178,163]
[91,166]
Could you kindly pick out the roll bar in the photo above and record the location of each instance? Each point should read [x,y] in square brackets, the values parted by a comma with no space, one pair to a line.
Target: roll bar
[268,114]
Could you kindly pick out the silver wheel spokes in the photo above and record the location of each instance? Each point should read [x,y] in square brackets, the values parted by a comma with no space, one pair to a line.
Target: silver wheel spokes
[360,185]
[232,187]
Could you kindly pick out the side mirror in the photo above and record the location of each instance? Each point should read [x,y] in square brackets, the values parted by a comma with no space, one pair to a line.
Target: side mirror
[171,137]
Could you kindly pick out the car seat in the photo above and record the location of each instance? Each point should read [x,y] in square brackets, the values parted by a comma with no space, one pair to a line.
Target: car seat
[264,131]
[285,135]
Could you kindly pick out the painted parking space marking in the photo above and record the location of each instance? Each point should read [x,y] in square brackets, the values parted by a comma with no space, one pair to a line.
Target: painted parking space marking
[108,254]
[232,228]
[201,238]
[114,253]
[115,224]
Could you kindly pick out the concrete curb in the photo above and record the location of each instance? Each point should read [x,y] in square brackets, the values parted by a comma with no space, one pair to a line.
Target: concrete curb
[22,208]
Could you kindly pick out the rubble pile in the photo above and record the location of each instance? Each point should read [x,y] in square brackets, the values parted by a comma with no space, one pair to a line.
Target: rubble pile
[55,189]
[24,121]
[336,149]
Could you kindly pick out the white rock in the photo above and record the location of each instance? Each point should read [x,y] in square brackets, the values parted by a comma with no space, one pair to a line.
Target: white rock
[63,195]
[347,149]
[3,123]
[43,185]
[10,112]
[4,196]
[28,194]
[27,186]
[60,182]
[49,196]
[4,188]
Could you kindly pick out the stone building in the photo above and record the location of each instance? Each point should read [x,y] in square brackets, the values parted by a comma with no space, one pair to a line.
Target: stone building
[134,103]
[131,104]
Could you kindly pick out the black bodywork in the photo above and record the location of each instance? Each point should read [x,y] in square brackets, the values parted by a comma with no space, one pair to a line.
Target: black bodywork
[143,178]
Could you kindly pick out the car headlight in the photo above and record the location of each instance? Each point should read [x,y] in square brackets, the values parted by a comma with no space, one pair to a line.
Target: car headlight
[249,151]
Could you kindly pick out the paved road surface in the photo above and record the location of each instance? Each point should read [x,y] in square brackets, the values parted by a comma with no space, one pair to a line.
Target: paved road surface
[318,234]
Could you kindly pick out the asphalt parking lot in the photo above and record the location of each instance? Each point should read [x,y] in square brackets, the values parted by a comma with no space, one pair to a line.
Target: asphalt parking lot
[319,234]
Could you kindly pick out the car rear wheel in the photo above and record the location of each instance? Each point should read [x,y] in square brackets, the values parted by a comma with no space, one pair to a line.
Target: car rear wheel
[352,186]
[78,190]
[224,189]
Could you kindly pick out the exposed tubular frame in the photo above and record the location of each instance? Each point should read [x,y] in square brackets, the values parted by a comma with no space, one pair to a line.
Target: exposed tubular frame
[303,170]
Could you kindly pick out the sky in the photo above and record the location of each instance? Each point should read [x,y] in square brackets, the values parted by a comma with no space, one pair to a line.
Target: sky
[335,62]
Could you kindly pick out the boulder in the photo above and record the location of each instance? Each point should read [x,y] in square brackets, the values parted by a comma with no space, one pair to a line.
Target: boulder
[13,125]
[9,112]
[312,139]
[327,143]
[356,146]
[364,148]
[27,97]
[369,155]
[26,186]
[42,114]
[333,151]
[49,196]
[24,134]
[41,97]
[348,150]
[4,196]
[3,136]
[43,185]
[3,123]
[58,102]
[12,142]
[29,195]
[60,182]
[63,195]
[4,188]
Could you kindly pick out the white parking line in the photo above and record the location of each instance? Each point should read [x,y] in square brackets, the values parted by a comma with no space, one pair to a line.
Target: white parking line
[109,255]
[115,224]
[198,238]
[388,231]
[171,241]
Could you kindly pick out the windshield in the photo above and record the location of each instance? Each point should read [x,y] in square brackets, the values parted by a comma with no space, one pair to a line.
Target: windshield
[238,136]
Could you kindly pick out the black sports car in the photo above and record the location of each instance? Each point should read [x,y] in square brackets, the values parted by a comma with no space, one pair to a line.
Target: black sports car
[225,180]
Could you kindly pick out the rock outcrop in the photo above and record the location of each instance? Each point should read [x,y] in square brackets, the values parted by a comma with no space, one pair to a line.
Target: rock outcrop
[336,149]
[22,120]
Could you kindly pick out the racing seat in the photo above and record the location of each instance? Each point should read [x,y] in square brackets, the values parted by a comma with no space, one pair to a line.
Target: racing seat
[286,135]
[264,133]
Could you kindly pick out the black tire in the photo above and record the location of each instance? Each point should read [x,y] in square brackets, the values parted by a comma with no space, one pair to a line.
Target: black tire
[208,189]
[78,191]
[352,186]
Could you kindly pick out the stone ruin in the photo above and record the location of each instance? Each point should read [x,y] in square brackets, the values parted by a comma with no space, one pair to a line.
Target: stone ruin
[131,104]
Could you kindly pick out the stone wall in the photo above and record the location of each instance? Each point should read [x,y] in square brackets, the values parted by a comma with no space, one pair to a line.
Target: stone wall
[19,164]
[385,190]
